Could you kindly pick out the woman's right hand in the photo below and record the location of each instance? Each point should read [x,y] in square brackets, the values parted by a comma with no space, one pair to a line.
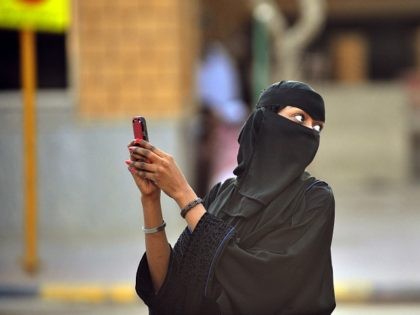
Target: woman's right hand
[146,186]
[159,170]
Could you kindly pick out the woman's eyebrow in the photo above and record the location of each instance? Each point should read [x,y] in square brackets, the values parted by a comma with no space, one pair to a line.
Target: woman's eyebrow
[300,111]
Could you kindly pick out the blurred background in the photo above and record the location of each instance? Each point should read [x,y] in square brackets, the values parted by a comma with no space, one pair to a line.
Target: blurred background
[194,69]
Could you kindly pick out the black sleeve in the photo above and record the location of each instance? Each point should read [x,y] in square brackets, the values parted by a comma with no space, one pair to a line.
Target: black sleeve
[191,266]
[144,285]
[292,279]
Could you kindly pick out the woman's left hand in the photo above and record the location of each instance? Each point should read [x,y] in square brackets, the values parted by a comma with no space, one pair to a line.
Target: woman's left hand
[159,167]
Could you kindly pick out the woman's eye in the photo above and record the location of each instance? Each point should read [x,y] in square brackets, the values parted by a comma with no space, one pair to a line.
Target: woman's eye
[299,118]
[317,128]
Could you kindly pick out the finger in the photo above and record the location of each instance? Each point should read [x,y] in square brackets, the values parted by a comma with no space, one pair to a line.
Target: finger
[138,175]
[132,143]
[132,171]
[152,148]
[136,157]
[142,154]
[138,153]
[146,175]
[143,166]
[130,167]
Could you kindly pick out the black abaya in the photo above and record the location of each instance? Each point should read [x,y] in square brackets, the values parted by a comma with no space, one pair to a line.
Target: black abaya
[267,266]
[263,247]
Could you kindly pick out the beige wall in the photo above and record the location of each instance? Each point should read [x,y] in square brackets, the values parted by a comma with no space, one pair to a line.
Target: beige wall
[366,139]
[133,57]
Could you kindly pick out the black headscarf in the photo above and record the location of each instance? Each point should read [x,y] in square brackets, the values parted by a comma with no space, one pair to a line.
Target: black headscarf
[293,93]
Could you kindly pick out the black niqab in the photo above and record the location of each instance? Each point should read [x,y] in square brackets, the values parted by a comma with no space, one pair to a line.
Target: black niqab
[273,156]
[275,151]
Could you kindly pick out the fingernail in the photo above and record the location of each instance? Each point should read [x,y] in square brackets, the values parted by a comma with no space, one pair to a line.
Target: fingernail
[128,162]
[131,149]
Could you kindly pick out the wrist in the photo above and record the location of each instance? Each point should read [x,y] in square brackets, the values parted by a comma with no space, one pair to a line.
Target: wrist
[185,196]
[190,206]
[150,199]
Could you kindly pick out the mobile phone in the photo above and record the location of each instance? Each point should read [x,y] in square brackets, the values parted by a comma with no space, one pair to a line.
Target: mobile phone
[140,128]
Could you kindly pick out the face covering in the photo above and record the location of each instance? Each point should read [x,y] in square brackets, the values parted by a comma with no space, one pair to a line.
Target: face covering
[274,151]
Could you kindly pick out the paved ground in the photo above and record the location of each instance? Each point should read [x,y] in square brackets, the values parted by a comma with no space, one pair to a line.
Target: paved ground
[37,307]
[376,235]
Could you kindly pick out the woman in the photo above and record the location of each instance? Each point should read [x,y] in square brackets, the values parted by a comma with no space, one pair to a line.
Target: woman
[259,243]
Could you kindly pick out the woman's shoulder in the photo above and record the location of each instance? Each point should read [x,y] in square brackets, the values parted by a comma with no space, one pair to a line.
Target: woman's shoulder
[319,192]
[318,185]
[217,189]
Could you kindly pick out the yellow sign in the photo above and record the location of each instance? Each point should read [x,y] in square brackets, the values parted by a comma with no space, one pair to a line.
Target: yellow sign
[41,15]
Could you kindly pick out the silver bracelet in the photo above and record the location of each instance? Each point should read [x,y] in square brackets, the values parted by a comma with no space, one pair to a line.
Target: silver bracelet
[154,229]
[189,206]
